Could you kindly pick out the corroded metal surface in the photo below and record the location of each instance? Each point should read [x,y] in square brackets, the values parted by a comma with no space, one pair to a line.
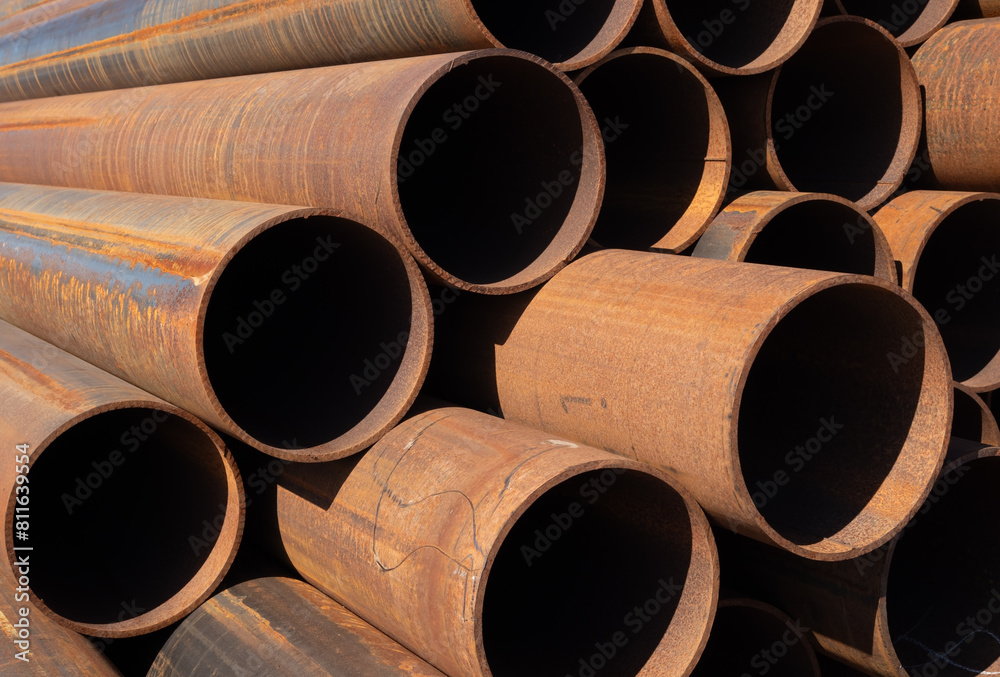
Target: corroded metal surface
[841,116]
[488,548]
[124,521]
[806,409]
[977,9]
[799,230]
[233,311]
[668,152]
[973,419]
[505,141]
[949,255]
[911,23]
[957,69]
[281,627]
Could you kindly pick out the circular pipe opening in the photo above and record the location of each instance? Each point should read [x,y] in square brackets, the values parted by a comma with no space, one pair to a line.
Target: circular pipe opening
[135,516]
[666,139]
[500,173]
[839,419]
[590,575]
[845,113]
[293,351]
[942,594]
[910,21]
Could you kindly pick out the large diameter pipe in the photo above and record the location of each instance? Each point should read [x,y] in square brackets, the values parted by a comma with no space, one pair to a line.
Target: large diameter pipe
[807,409]
[927,603]
[799,230]
[949,256]
[973,420]
[488,165]
[727,37]
[257,318]
[666,138]
[490,549]
[977,9]
[910,21]
[110,490]
[842,116]
[281,627]
[76,46]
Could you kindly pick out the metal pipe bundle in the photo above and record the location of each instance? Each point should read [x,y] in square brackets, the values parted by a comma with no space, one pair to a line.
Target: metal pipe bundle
[910,21]
[234,311]
[142,498]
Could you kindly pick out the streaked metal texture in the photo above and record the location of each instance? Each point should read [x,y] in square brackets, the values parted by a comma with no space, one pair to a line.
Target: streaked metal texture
[973,419]
[910,22]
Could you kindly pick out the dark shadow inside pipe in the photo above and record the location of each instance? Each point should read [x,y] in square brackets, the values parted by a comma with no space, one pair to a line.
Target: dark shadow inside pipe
[656,124]
[837,111]
[817,235]
[293,349]
[958,281]
[896,16]
[489,165]
[967,423]
[827,407]
[748,640]
[733,33]
[596,590]
[125,509]
[943,597]
[556,30]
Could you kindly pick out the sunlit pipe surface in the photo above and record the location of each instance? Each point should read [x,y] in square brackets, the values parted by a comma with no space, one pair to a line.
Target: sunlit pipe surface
[488,165]
[118,484]
[909,22]
[487,548]
[237,312]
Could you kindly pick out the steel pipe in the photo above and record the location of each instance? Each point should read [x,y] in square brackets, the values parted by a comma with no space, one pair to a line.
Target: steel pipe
[949,258]
[809,410]
[488,165]
[727,37]
[233,311]
[842,116]
[977,9]
[114,536]
[910,21]
[973,419]
[799,230]
[666,138]
[281,627]
[831,668]
[489,549]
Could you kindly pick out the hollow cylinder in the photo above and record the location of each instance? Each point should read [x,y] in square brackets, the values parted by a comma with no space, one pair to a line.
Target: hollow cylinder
[926,603]
[257,318]
[727,37]
[949,256]
[74,46]
[911,22]
[107,495]
[973,419]
[284,628]
[488,165]
[977,9]
[807,409]
[842,116]
[666,139]
[799,230]
[487,548]
[956,67]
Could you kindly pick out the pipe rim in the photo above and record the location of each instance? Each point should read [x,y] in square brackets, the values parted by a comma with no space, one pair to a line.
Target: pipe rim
[931,19]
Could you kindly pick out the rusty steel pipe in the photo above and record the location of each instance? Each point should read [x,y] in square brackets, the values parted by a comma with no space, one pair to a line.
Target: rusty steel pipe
[76,46]
[752,638]
[666,139]
[488,165]
[927,603]
[977,9]
[842,116]
[281,627]
[780,397]
[727,37]
[489,549]
[949,256]
[110,530]
[233,311]
[910,21]
[832,668]
[799,230]
[973,419]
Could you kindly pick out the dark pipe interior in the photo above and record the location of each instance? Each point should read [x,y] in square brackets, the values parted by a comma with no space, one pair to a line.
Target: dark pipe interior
[943,596]
[120,507]
[838,110]
[655,121]
[746,640]
[733,33]
[817,235]
[556,30]
[551,604]
[967,423]
[896,16]
[827,408]
[489,196]
[960,289]
[322,360]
